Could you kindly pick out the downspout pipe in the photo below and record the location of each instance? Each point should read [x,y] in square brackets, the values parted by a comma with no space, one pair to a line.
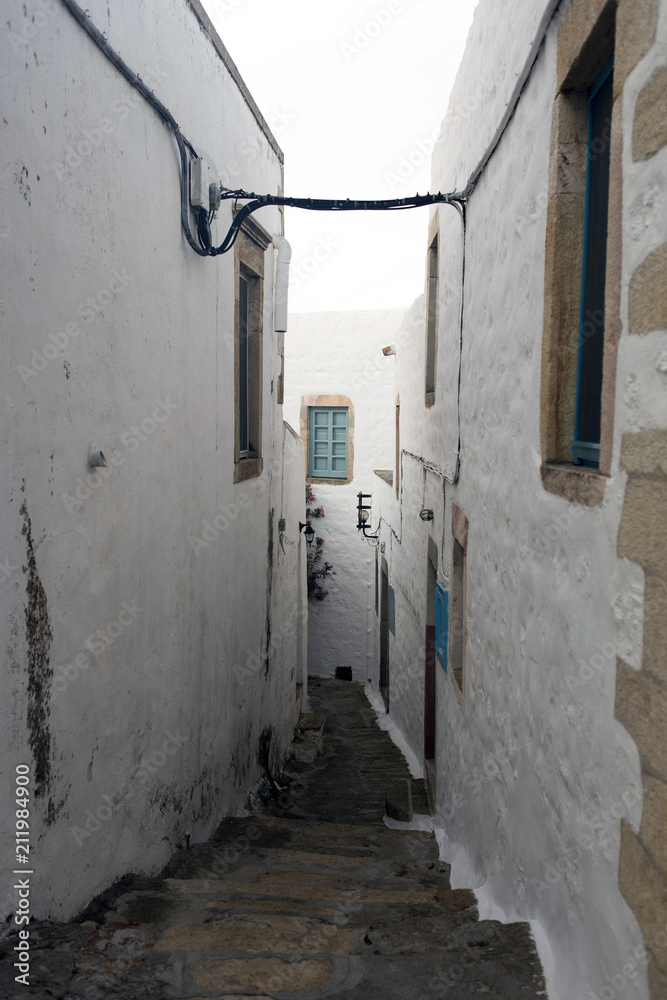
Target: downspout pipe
[281,283]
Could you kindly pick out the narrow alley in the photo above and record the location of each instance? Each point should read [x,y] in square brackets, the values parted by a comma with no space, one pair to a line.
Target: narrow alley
[310,896]
[333,452]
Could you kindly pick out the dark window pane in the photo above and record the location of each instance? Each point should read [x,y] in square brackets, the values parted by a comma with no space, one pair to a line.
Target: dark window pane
[431,319]
[244,442]
[591,335]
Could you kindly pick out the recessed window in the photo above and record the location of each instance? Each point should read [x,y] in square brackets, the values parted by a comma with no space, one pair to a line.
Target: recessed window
[397,473]
[586,445]
[384,631]
[431,319]
[457,601]
[583,256]
[391,609]
[249,249]
[244,387]
[326,424]
[328,432]
[458,612]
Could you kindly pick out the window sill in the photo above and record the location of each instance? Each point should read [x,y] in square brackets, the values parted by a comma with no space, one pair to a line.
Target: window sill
[386,475]
[247,468]
[574,483]
[329,482]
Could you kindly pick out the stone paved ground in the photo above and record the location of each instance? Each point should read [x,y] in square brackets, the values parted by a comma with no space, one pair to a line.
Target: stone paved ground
[315,898]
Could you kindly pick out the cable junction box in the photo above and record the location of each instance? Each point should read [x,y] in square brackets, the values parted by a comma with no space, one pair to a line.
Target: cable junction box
[204,185]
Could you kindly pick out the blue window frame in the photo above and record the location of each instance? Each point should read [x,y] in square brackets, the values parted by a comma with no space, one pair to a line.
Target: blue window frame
[441,623]
[586,445]
[328,442]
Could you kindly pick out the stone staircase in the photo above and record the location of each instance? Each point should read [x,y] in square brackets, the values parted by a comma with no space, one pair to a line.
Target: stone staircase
[293,906]
[273,907]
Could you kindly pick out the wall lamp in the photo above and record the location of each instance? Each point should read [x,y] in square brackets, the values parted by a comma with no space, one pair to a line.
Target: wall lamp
[363,515]
[426,514]
[309,533]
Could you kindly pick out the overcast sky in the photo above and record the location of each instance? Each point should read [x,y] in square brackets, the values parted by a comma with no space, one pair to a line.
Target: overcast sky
[354,92]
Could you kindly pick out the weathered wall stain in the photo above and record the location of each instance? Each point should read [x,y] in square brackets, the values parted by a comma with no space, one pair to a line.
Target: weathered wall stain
[269,587]
[22,180]
[264,749]
[38,639]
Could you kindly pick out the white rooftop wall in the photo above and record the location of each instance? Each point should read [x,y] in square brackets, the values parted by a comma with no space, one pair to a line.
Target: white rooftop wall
[341,353]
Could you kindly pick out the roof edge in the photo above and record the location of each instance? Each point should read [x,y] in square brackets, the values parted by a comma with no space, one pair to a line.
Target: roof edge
[207,27]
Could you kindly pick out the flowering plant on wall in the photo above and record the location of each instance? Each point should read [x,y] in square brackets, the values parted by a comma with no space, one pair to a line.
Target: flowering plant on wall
[311,498]
[316,569]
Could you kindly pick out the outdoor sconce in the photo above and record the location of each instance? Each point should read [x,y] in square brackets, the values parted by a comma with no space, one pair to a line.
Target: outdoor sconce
[426,514]
[309,533]
[363,515]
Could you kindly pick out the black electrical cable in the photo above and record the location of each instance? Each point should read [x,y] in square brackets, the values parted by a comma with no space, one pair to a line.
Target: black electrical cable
[136,81]
[185,219]
[456,198]
[203,245]
[165,114]
[203,228]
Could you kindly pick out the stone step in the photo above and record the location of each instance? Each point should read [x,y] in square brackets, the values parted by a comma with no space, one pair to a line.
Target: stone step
[421,803]
[398,801]
[308,740]
[378,860]
[259,934]
[302,888]
[336,829]
[402,799]
[286,907]
[358,945]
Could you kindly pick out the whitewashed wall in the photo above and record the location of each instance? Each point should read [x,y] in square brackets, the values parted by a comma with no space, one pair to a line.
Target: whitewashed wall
[341,354]
[142,682]
[534,775]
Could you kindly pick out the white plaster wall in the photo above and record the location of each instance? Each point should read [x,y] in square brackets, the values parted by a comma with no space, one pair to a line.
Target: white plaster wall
[534,774]
[496,50]
[97,243]
[287,626]
[341,353]
[403,530]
